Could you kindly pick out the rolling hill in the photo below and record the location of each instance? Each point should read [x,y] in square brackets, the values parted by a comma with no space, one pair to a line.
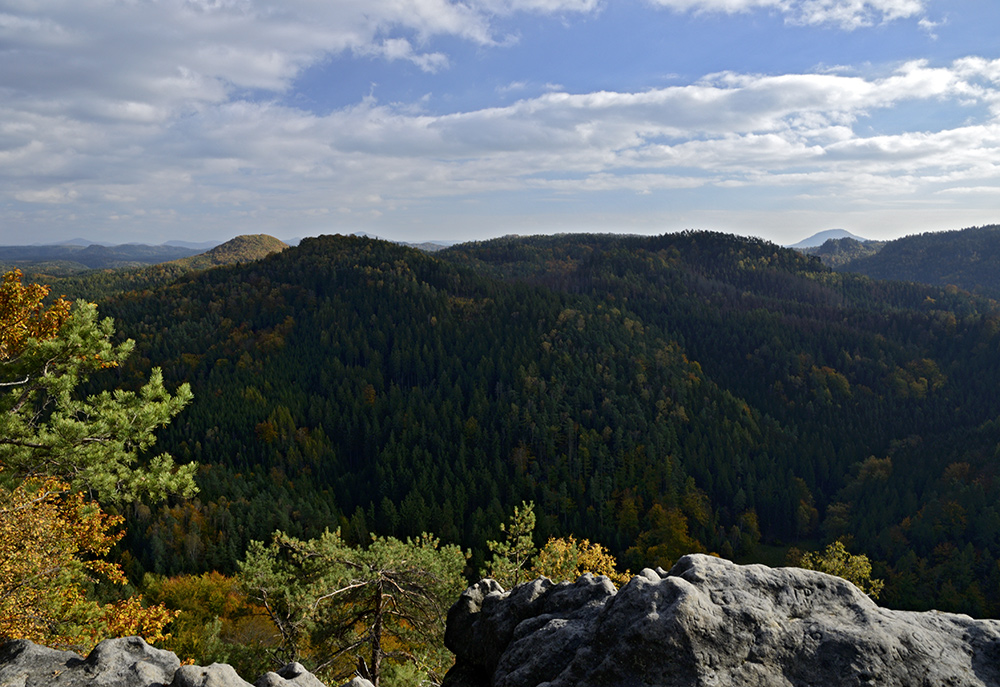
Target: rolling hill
[691,391]
[968,259]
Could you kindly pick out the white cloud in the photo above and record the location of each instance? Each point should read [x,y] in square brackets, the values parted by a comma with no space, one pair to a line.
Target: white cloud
[136,111]
[188,53]
[847,14]
[728,131]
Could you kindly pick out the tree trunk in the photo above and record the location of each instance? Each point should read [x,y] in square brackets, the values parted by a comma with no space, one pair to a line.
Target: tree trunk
[376,662]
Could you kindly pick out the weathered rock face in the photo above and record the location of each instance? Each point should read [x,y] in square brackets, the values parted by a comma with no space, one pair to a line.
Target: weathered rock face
[710,622]
[128,662]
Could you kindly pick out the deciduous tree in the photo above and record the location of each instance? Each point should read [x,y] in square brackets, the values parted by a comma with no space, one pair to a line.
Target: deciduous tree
[566,558]
[52,544]
[836,560]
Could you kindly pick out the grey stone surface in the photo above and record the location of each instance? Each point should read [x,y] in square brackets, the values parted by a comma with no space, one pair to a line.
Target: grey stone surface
[710,622]
[215,675]
[292,675]
[126,662]
[358,682]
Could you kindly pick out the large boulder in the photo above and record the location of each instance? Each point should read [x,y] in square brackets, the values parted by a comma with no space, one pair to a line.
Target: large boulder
[710,622]
[126,662]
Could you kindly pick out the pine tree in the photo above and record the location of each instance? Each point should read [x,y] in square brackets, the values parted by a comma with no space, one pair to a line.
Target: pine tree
[347,609]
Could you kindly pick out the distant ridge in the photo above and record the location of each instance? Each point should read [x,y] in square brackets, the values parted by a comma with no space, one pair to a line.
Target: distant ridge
[822,237]
[194,245]
[246,248]
[68,258]
[426,246]
[966,258]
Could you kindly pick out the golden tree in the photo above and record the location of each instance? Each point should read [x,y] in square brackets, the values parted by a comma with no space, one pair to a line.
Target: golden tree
[836,560]
[566,558]
[52,544]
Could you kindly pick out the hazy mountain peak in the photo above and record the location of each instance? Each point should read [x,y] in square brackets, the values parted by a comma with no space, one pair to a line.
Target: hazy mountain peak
[822,237]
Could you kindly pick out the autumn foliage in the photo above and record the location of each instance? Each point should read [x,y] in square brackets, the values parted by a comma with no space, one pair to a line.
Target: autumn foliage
[53,545]
[23,315]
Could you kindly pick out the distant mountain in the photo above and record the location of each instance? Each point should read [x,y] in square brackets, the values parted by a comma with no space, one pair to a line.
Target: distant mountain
[967,258]
[203,245]
[73,257]
[246,248]
[838,252]
[822,237]
[426,246]
[83,243]
[73,281]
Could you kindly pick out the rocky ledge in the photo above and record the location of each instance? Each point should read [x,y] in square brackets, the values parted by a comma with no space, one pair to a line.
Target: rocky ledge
[130,662]
[710,622]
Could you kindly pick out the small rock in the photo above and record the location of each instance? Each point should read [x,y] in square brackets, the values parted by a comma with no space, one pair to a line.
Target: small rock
[292,675]
[215,675]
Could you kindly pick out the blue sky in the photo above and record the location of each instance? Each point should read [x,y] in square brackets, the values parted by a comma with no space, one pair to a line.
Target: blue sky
[145,121]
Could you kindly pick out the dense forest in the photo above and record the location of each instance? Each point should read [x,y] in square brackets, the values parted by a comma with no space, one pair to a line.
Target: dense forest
[968,259]
[692,391]
[840,252]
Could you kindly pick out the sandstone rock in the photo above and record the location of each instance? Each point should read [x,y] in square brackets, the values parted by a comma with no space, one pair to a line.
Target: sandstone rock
[127,662]
[358,682]
[710,622]
[215,675]
[292,675]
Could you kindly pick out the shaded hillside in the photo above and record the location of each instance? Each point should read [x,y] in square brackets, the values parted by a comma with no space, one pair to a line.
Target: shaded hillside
[692,391]
[967,258]
[838,252]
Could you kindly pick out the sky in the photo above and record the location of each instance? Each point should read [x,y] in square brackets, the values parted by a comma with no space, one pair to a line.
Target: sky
[145,121]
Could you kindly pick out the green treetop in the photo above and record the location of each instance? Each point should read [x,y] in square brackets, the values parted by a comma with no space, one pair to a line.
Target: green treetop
[345,609]
[46,428]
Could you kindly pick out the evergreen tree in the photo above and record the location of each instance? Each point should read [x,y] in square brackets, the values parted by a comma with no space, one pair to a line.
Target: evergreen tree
[53,447]
[510,557]
[47,429]
[347,609]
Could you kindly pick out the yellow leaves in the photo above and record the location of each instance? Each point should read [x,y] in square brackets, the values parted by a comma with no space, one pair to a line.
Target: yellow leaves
[23,315]
[129,617]
[566,558]
[836,560]
[52,544]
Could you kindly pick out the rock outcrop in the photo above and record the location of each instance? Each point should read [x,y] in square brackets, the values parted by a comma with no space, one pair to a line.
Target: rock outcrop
[131,662]
[710,622]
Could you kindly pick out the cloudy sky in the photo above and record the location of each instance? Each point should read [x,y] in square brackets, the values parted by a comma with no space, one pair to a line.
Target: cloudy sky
[151,120]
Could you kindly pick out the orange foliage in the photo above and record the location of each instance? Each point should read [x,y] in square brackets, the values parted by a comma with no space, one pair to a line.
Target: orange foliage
[23,315]
[52,544]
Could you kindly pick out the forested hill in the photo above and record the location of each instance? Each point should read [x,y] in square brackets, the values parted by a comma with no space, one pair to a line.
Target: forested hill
[967,258]
[839,252]
[244,248]
[99,285]
[661,395]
